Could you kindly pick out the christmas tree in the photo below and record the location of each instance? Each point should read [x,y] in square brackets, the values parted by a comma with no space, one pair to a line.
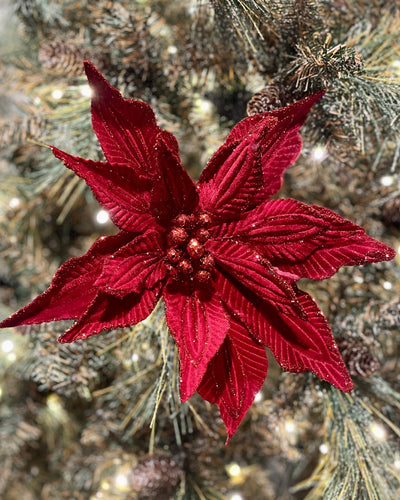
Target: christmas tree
[107,417]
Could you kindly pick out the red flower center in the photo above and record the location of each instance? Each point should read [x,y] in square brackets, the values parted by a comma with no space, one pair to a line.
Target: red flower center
[186,258]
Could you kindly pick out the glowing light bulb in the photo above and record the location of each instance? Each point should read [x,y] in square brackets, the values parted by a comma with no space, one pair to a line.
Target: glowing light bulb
[7,346]
[105,485]
[378,431]
[396,63]
[14,202]
[387,285]
[102,217]
[85,91]
[54,405]
[318,153]
[121,481]
[37,101]
[324,449]
[259,397]
[236,496]
[204,105]
[1,392]
[172,49]
[387,180]
[290,426]
[396,462]
[57,94]
[233,469]
[135,357]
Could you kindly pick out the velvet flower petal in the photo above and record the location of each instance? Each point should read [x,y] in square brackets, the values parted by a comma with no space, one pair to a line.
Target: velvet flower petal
[199,324]
[271,142]
[72,288]
[123,194]
[298,344]
[134,267]
[107,312]
[223,257]
[235,375]
[126,128]
[304,241]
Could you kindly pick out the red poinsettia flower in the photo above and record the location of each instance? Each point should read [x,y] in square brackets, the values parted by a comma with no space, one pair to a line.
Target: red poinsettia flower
[222,255]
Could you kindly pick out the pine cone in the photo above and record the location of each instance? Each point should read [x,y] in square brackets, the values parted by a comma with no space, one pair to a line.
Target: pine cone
[156,476]
[63,58]
[357,357]
[391,212]
[268,99]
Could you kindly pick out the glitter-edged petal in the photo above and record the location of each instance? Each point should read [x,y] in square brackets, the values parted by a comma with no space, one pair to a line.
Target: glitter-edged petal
[306,241]
[72,288]
[298,344]
[234,376]
[136,266]
[274,139]
[199,323]
[248,267]
[174,192]
[232,178]
[108,312]
[126,129]
[123,194]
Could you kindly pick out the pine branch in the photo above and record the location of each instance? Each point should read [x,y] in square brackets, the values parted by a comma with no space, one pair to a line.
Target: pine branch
[358,450]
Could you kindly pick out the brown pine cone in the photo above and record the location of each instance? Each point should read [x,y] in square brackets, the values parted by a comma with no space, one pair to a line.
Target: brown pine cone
[66,58]
[268,99]
[391,212]
[156,476]
[358,358]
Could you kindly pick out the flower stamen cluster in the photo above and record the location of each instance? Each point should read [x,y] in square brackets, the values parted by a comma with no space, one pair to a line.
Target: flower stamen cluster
[186,258]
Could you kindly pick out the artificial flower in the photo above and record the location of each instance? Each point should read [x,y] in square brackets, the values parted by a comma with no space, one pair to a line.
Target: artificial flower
[224,257]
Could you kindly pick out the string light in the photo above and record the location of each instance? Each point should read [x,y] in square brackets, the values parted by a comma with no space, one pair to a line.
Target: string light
[324,449]
[233,469]
[387,285]
[85,91]
[396,65]
[290,426]
[7,346]
[204,105]
[318,153]
[259,397]
[105,485]
[121,481]
[1,392]
[236,496]
[11,357]
[102,217]
[135,357]
[37,101]
[172,49]
[378,431]
[57,94]
[387,180]
[14,202]
[54,404]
